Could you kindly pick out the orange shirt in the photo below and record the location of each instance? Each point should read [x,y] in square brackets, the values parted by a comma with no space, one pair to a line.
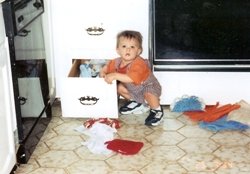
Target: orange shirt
[138,70]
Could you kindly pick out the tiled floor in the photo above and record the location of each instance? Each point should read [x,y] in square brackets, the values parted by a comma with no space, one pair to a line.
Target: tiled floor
[177,146]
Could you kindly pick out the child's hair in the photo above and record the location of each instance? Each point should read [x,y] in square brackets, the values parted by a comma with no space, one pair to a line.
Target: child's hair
[130,34]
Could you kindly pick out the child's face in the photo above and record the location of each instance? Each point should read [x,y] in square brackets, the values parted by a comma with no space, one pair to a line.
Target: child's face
[128,49]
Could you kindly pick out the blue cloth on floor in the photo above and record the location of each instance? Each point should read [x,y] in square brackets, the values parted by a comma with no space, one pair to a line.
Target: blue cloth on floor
[223,124]
[187,103]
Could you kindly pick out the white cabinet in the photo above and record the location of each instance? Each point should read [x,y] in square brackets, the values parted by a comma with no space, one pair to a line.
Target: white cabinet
[87,95]
[89,98]
[212,87]
[88,29]
[7,109]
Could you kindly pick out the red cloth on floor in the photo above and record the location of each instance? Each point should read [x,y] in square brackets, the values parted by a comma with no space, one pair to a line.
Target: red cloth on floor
[108,121]
[211,113]
[125,147]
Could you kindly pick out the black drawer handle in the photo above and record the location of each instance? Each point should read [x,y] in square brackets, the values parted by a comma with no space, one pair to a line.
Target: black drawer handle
[96,31]
[87,100]
[22,100]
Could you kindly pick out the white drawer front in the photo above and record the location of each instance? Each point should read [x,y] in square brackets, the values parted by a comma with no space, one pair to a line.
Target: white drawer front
[70,21]
[88,98]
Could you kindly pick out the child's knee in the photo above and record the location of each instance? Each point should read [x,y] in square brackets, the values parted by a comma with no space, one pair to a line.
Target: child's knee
[121,89]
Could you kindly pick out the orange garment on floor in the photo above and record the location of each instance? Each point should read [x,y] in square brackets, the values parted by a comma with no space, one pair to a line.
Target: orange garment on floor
[211,113]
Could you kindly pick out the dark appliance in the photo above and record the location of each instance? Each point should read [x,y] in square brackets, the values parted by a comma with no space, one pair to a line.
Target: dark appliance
[20,13]
[214,34]
[29,72]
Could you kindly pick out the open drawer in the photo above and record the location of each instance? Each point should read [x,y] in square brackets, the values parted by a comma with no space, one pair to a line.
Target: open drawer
[88,97]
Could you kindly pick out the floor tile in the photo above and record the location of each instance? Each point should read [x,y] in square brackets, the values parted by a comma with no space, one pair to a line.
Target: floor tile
[230,138]
[163,167]
[58,159]
[165,138]
[63,142]
[164,153]
[191,131]
[89,167]
[195,162]
[177,146]
[198,145]
[128,162]
[233,154]
[48,171]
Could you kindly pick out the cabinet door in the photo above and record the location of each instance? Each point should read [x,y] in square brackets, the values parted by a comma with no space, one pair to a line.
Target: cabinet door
[85,97]
[7,111]
[89,28]
[7,159]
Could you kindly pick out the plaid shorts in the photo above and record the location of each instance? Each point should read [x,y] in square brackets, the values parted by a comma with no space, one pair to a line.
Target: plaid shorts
[151,85]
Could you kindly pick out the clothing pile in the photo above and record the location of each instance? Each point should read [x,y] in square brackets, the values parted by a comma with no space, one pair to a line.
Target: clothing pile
[216,117]
[101,140]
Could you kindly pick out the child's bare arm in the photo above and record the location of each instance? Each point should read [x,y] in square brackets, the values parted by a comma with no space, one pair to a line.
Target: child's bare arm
[109,78]
[103,71]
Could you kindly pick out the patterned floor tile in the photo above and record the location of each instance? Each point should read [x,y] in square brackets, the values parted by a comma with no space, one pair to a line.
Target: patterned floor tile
[48,171]
[128,162]
[134,131]
[194,162]
[67,128]
[164,153]
[191,131]
[231,138]
[172,124]
[57,159]
[233,168]
[237,154]
[198,145]
[124,172]
[165,138]
[176,146]
[27,168]
[163,167]
[85,154]
[89,167]
[63,142]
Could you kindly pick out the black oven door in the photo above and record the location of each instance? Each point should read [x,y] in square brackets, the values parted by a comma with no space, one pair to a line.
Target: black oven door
[201,33]
[20,13]
[29,72]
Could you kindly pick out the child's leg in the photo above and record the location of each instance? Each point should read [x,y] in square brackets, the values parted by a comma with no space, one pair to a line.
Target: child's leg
[122,90]
[152,100]
[130,107]
[156,112]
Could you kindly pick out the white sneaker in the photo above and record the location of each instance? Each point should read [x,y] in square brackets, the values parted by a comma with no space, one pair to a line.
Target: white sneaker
[143,109]
[132,107]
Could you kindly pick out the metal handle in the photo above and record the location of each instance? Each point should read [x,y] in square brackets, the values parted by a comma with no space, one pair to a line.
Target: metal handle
[87,100]
[96,31]
[22,100]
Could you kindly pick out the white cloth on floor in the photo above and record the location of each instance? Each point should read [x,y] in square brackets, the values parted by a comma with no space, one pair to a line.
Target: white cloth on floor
[98,134]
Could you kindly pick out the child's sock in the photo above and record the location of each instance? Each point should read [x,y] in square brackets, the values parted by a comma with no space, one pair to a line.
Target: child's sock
[158,108]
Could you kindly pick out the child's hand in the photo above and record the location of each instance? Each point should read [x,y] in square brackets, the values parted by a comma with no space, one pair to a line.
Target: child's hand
[102,74]
[109,78]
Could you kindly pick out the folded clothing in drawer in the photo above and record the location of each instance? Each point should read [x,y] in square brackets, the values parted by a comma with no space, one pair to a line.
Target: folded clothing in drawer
[88,97]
